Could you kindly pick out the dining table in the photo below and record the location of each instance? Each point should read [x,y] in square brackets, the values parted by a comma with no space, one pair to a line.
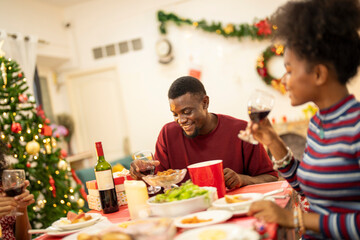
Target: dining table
[271,230]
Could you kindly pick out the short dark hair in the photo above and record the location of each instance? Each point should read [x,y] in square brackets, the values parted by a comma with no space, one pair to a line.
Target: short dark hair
[186,84]
[322,32]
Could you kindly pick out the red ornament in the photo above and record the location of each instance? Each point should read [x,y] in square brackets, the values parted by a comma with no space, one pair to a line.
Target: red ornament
[20,75]
[16,127]
[63,153]
[47,121]
[40,112]
[23,98]
[46,130]
[28,165]
[78,181]
[52,183]
[9,145]
[264,27]
[262,72]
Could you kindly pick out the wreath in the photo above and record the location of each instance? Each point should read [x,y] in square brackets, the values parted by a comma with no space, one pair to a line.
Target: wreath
[262,68]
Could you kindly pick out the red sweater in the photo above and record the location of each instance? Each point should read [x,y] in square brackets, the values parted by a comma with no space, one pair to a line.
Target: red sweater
[174,150]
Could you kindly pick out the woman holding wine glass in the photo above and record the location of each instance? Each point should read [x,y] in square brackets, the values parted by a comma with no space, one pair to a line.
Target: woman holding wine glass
[322,54]
[14,226]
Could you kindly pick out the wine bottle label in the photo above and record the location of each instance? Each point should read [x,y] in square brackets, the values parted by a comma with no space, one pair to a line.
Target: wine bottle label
[104,180]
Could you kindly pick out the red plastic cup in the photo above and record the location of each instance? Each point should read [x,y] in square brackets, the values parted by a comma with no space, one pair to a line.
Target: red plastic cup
[209,174]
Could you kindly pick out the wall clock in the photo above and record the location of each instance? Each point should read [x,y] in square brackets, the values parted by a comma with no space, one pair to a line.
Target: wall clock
[164,51]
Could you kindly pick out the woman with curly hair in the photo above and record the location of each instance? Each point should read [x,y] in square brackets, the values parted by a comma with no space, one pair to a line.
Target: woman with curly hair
[13,227]
[322,55]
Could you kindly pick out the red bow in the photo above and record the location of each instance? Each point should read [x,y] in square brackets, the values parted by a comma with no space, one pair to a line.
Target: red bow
[264,27]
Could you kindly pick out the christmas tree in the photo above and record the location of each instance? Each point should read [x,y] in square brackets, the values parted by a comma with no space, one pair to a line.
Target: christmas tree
[26,131]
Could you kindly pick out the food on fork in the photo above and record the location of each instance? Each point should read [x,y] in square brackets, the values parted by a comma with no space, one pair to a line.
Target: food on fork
[235,199]
[194,219]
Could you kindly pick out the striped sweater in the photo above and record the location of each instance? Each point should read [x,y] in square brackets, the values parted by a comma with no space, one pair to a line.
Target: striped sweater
[329,175]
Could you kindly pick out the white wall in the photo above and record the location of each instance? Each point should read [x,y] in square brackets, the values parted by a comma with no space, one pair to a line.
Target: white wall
[228,65]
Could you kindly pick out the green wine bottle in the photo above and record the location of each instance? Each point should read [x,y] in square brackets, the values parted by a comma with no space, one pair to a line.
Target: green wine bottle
[105,182]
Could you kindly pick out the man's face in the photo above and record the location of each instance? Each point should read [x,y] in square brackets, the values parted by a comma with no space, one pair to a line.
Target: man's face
[190,113]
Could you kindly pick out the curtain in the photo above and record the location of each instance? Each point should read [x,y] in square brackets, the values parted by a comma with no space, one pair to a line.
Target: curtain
[23,51]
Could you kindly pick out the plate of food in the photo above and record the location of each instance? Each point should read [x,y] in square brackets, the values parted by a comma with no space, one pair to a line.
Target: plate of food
[237,202]
[204,218]
[76,221]
[219,232]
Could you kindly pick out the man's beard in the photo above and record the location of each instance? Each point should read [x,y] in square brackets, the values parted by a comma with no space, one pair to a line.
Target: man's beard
[195,134]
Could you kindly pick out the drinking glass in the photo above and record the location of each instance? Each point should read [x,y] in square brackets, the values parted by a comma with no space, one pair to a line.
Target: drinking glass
[259,106]
[149,170]
[13,184]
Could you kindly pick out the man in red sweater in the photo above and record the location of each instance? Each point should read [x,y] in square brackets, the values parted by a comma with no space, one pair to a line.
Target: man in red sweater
[197,135]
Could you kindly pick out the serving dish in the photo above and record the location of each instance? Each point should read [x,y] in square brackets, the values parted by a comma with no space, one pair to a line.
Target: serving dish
[183,207]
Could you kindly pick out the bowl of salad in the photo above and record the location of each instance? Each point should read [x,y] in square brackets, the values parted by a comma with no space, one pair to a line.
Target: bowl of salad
[187,198]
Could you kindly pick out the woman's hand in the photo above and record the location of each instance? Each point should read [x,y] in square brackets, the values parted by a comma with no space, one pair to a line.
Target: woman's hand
[25,199]
[270,212]
[262,131]
[7,204]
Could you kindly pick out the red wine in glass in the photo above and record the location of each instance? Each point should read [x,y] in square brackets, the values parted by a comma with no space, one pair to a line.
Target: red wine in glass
[14,191]
[259,104]
[257,115]
[150,169]
[13,184]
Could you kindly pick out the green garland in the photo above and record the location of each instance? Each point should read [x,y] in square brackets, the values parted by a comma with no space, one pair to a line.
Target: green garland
[260,30]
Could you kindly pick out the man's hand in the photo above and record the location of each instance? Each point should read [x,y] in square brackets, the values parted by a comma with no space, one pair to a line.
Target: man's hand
[138,166]
[25,199]
[232,179]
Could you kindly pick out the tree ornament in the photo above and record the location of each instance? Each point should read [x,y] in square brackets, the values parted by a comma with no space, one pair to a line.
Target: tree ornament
[52,184]
[53,142]
[16,127]
[47,146]
[3,73]
[40,112]
[63,153]
[32,147]
[81,202]
[62,165]
[40,204]
[46,130]
[28,165]
[9,145]
[20,75]
[23,98]
[47,121]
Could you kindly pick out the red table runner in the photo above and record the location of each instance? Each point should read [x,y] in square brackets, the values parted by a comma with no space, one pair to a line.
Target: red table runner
[123,214]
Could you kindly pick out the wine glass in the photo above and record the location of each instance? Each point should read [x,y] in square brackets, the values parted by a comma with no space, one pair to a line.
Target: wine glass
[259,106]
[150,169]
[13,184]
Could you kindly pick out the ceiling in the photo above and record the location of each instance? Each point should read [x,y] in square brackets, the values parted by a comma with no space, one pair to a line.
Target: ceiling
[63,3]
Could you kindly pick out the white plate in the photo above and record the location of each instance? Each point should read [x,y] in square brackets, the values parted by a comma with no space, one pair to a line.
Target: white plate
[216,216]
[60,224]
[60,233]
[239,206]
[219,232]
[234,213]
